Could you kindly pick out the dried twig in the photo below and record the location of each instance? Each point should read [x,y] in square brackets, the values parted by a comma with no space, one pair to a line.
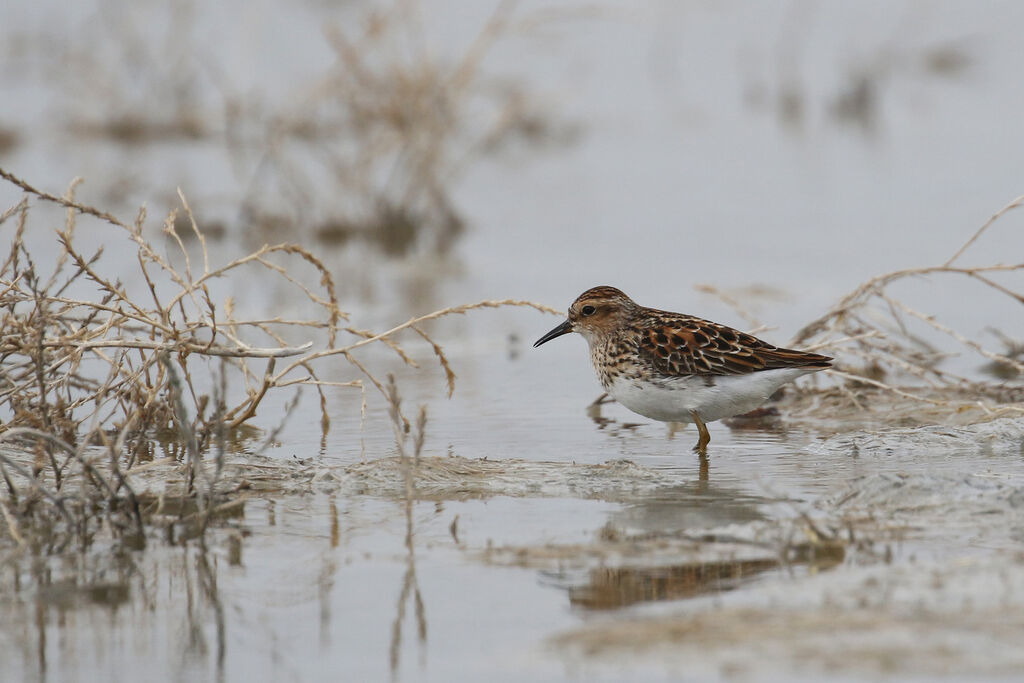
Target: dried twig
[872,324]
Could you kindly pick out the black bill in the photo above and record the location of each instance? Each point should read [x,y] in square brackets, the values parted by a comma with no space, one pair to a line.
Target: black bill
[564,328]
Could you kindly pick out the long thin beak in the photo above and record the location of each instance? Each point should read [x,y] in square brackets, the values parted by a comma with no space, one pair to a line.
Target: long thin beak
[564,328]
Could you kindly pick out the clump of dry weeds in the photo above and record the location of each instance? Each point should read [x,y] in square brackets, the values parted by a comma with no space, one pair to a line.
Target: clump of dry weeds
[383,135]
[92,374]
[367,148]
[870,329]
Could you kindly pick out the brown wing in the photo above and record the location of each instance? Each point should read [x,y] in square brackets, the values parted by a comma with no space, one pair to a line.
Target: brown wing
[681,346]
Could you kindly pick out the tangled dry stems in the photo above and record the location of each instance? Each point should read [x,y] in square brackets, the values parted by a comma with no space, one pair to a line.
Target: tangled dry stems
[381,136]
[90,372]
[85,363]
[365,148]
[869,328]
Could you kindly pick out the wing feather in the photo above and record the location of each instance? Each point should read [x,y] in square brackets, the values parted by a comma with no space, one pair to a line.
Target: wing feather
[679,345]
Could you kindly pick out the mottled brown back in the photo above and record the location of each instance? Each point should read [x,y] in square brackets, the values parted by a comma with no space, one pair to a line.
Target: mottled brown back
[680,345]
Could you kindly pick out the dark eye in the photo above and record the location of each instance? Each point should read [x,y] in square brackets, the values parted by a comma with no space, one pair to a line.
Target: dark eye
[588,310]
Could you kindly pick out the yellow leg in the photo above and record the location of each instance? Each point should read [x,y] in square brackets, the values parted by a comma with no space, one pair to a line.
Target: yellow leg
[705,437]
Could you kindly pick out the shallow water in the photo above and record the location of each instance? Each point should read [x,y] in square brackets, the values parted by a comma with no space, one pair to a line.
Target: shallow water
[306,586]
[686,166]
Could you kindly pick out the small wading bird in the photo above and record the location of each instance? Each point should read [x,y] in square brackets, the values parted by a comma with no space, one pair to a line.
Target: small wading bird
[673,367]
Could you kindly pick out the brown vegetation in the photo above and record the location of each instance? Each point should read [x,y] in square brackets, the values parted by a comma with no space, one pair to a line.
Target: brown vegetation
[92,373]
[94,377]
[871,328]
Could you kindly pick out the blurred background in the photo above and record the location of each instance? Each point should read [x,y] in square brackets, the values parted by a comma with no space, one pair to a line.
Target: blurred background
[437,153]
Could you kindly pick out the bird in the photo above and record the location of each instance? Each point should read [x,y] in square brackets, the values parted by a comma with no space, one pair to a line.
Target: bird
[674,367]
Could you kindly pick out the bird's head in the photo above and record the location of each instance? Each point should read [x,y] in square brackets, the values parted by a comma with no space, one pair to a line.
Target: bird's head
[595,314]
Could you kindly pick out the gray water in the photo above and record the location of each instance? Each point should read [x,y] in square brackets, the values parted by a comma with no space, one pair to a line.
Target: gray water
[783,153]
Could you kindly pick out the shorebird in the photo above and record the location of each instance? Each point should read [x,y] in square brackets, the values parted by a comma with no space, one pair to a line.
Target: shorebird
[674,367]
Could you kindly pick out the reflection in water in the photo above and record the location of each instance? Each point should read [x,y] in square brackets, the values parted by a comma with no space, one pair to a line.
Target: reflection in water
[610,424]
[679,513]
[646,574]
[670,520]
[328,569]
[615,587]
[214,611]
[611,588]
[77,607]
[690,507]
[410,586]
[208,582]
[54,591]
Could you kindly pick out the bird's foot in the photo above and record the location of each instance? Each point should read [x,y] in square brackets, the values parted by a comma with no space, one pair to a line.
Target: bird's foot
[705,437]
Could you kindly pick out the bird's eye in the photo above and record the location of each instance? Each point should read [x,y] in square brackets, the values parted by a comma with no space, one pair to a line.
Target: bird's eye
[588,310]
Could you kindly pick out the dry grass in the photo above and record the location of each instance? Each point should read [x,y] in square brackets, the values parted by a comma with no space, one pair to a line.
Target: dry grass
[371,150]
[92,375]
[367,148]
[872,331]
[408,464]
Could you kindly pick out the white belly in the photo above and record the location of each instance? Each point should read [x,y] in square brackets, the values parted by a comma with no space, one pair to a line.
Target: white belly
[713,398]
